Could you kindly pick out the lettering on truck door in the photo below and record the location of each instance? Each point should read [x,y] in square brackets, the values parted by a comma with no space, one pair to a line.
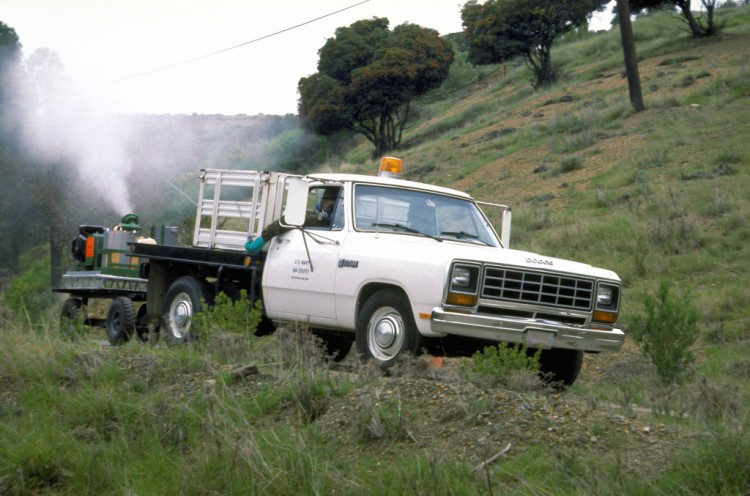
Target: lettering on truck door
[300,270]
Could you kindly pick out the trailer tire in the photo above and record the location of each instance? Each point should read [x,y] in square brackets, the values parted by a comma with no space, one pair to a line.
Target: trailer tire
[71,317]
[559,366]
[386,329]
[184,299]
[120,320]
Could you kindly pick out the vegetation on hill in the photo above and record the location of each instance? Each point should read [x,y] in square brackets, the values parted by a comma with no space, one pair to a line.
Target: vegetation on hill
[654,195]
[660,196]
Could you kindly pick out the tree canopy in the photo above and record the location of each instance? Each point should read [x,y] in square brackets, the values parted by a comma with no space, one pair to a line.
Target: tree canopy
[10,53]
[14,192]
[501,30]
[699,26]
[368,77]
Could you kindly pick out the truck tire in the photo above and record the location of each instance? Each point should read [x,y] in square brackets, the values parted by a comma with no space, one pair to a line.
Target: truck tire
[181,303]
[120,320]
[560,366]
[386,329]
[335,344]
[71,317]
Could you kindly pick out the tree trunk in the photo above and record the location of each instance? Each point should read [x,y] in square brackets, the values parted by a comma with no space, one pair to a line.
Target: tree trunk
[631,61]
[540,62]
[695,27]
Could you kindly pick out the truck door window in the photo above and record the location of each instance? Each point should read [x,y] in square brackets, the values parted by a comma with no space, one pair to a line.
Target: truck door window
[325,208]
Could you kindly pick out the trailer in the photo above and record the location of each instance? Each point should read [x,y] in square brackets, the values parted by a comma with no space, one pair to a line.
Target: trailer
[104,269]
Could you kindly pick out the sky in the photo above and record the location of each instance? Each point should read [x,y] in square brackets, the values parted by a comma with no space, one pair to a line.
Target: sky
[106,46]
[131,56]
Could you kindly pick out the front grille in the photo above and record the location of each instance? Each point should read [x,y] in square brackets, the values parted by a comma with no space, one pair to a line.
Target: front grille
[505,284]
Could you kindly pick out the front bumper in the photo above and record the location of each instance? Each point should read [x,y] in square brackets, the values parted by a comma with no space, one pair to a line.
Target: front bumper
[516,330]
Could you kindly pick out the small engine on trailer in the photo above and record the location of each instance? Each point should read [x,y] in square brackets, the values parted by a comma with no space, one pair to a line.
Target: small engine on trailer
[105,250]
[105,269]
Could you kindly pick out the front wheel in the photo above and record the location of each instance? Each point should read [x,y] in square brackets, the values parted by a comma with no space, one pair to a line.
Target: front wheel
[120,320]
[184,299]
[560,366]
[386,329]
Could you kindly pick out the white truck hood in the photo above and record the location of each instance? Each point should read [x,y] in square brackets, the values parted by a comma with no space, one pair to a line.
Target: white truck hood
[449,250]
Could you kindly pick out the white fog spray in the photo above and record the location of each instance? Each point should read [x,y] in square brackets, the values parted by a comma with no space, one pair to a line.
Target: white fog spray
[61,128]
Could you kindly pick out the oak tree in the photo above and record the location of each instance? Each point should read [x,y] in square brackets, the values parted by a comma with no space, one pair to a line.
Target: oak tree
[501,30]
[368,77]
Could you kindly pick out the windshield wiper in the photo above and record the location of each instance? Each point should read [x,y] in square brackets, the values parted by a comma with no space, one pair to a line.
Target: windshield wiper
[407,229]
[463,235]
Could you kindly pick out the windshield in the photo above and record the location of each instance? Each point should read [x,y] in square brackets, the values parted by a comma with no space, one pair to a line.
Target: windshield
[380,208]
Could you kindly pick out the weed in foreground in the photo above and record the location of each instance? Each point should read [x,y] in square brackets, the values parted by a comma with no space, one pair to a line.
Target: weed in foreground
[384,418]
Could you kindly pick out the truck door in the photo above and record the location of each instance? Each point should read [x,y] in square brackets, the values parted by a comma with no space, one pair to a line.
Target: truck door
[300,269]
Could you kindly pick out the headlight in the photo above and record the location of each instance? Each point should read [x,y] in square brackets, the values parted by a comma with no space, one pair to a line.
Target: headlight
[463,285]
[461,277]
[604,295]
[607,303]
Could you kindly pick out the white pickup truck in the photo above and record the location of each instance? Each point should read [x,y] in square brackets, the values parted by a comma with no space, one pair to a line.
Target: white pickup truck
[394,266]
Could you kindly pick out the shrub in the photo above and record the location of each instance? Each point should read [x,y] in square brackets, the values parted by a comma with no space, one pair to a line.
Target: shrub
[497,365]
[651,159]
[570,164]
[225,330]
[28,293]
[236,316]
[665,331]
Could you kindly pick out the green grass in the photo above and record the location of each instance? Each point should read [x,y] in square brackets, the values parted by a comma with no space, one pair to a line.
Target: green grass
[87,421]
[77,418]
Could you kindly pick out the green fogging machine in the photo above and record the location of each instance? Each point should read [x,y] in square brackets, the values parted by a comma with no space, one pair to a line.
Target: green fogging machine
[105,269]
[98,248]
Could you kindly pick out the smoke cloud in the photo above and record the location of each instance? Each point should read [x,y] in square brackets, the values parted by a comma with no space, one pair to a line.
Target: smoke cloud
[62,129]
[125,163]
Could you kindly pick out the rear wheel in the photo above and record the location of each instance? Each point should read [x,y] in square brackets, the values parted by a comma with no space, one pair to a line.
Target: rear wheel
[141,326]
[386,328]
[181,303]
[120,320]
[335,344]
[560,366]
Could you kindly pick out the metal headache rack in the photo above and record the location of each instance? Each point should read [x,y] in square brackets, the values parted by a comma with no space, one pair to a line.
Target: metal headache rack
[229,208]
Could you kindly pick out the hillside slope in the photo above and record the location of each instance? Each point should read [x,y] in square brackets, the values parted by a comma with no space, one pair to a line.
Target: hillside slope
[659,194]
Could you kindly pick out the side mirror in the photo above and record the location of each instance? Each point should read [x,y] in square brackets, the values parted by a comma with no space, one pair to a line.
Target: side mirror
[505,229]
[296,203]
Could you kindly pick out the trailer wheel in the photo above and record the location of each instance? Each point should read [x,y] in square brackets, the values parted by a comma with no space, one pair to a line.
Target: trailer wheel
[71,317]
[335,344]
[386,328]
[560,366]
[181,303]
[141,328]
[120,320]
